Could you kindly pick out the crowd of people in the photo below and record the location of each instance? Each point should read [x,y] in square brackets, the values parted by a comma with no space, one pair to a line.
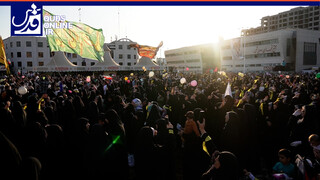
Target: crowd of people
[135,126]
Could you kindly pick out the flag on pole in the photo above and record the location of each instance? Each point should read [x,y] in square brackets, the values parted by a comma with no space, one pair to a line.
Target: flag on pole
[79,38]
[240,74]
[147,51]
[228,90]
[3,57]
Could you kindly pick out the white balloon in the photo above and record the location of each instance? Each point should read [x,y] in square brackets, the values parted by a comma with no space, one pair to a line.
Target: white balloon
[22,90]
[261,88]
[151,74]
[183,80]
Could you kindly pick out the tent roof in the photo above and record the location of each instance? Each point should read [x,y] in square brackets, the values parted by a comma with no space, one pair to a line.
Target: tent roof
[60,60]
[146,62]
[107,64]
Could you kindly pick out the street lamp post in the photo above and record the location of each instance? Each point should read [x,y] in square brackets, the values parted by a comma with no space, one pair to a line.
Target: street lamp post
[244,53]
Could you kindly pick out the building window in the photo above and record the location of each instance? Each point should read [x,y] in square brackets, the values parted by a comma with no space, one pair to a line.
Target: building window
[120,46]
[11,44]
[83,63]
[29,64]
[129,64]
[40,44]
[51,53]
[28,43]
[29,54]
[310,54]
[120,56]
[92,63]
[120,63]
[74,55]
[134,56]
[128,47]
[193,60]
[68,55]
[40,63]
[40,54]
[176,62]
[227,58]
[134,63]
[19,64]
[129,56]
[18,54]
[12,64]
[75,63]
[11,54]
[289,42]
[18,44]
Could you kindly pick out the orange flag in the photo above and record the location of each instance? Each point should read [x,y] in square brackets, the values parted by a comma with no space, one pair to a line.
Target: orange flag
[147,51]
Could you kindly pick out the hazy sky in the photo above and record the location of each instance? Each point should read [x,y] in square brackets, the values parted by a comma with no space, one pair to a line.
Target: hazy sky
[176,26]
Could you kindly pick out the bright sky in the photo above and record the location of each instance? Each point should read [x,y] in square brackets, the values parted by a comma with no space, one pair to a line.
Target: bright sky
[176,26]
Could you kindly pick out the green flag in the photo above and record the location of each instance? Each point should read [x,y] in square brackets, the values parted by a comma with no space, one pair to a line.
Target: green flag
[77,38]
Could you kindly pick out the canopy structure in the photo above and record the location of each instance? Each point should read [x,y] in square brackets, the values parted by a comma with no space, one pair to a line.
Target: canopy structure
[58,63]
[147,63]
[108,64]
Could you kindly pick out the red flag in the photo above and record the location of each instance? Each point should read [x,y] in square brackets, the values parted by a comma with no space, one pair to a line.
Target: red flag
[147,51]
[216,69]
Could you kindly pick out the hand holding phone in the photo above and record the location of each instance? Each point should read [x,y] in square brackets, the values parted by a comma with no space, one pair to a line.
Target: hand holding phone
[45,96]
[201,117]
[179,127]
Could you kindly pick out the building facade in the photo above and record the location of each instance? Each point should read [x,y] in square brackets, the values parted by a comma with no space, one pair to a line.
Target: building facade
[195,59]
[300,17]
[28,52]
[122,53]
[287,49]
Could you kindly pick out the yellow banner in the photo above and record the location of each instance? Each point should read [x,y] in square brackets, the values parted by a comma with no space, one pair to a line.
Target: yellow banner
[3,58]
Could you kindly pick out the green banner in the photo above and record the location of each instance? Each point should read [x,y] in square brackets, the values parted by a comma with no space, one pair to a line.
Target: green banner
[73,37]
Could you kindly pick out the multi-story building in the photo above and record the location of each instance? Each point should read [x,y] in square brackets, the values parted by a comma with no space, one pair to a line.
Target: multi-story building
[288,49]
[28,52]
[25,53]
[300,17]
[122,53]
[196,59]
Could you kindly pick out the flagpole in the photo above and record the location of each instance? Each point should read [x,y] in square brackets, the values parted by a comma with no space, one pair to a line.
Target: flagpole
[244,53]
[79,14]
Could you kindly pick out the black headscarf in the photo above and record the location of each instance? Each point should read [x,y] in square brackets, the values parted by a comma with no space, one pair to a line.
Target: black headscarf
[10,159]
[230,134]
[115,125]
[228,170]
[154,115]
